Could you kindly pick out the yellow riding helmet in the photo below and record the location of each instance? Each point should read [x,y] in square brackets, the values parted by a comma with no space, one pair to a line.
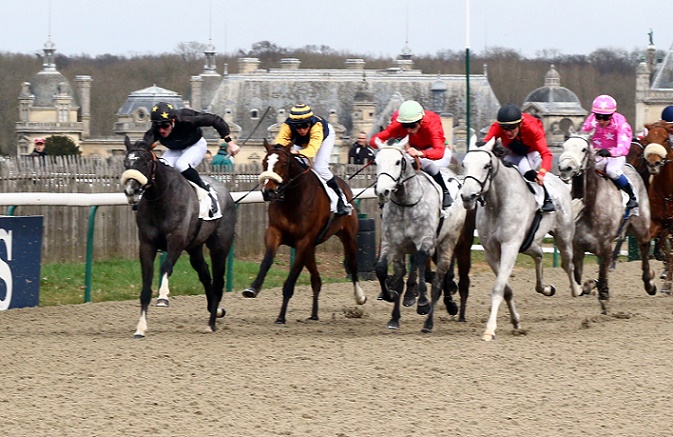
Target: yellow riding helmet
[300,113]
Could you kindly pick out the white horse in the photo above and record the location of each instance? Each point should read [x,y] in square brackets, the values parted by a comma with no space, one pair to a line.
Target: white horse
[412,223]
[504,223]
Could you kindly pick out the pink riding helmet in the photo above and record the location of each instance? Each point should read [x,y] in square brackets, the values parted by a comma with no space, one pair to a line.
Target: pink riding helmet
[604,104]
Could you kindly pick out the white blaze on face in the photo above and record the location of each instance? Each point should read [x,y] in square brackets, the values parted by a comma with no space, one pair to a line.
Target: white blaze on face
[268,173]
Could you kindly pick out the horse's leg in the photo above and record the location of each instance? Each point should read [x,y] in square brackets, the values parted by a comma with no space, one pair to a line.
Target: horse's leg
[535,252]
[644,243]
[502,265]
[381,270]
[463,255]
[349,242]
[578,262]
[397,283]
[316,282]
[602,282]
[272,241]
[563,241]
[411,292]
[444,261]
[147,254]
[423,305]
[198,263]
[303,251]
[166,270]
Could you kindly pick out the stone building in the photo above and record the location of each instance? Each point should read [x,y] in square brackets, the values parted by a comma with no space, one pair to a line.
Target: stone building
[48,105]
[558,108]
[255,101]
[654,86]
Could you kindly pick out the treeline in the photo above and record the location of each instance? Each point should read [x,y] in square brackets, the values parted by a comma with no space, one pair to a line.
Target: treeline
[511,75]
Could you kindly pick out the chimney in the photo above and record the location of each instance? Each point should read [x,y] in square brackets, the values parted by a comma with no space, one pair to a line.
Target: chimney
[290,64]
[247,65]
[83,84]
[355,64]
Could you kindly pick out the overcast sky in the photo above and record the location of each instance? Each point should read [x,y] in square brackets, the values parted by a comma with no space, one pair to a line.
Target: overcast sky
[369,27]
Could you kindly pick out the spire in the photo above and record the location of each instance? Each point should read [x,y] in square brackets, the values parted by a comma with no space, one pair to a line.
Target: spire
[49,49]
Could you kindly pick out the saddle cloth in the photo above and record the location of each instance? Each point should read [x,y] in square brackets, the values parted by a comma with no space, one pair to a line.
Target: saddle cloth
[205,203]
[333,199]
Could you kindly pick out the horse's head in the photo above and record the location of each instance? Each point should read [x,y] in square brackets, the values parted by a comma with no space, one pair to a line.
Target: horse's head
[392,163]
[572,161]
[139,164]
[478,169]
[657,147]
[279,169]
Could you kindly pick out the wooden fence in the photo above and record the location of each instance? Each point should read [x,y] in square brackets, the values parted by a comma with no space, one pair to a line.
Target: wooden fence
[65,228]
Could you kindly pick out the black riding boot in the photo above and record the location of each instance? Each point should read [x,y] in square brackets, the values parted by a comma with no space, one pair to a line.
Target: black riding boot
[623,184]
[193,176]
[342,209]
[447,200]
[547,204]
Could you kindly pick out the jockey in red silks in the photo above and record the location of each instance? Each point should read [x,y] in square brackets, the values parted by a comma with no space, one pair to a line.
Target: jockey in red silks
[426,140]
[523,135]
[612,141]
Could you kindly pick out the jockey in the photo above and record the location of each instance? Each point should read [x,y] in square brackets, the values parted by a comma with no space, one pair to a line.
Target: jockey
[313,137]
[179,130]
[612,141]
[666,117]
[426,140]
[524,137]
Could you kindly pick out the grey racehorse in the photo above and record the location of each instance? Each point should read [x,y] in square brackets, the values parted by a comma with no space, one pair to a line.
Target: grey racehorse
[504,222]
[411,219]
[602,217]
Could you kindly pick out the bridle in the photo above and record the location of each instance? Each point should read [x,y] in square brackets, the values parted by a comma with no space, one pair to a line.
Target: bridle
[399,180]
[131,173]
[282,184]
[490,174]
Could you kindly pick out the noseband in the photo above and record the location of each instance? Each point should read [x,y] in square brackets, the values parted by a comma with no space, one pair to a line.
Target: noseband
[492,171]
[134,174]
[399,181]
[283,184]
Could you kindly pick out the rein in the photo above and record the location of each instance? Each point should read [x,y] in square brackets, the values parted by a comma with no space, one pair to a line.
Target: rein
[492,172]
[399,181]
[290,156]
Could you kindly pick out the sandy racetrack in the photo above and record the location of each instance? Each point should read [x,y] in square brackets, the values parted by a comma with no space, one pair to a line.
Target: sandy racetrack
[77,371]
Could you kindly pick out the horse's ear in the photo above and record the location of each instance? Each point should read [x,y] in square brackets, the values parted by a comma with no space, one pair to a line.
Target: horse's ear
[127,142]
[266,144]
[572,130]
[378,142]
[489,144]
[403,142]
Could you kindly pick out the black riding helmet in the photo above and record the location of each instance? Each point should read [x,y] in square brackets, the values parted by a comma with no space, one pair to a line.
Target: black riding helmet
[162,112]
[509,115]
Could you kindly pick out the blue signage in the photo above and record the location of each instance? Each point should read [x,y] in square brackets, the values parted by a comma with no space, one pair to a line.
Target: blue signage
[20,258]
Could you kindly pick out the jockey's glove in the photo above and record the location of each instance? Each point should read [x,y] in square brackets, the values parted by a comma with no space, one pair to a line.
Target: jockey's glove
[604,153]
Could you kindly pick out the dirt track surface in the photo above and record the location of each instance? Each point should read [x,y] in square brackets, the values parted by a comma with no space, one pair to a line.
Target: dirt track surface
[77,371]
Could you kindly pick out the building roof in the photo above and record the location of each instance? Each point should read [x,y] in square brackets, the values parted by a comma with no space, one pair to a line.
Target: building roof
[146,98]
[49,82]
[552,98]
[663,78]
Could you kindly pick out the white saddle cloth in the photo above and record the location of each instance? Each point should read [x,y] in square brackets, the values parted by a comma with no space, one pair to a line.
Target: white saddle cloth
[333,199]
[205,203]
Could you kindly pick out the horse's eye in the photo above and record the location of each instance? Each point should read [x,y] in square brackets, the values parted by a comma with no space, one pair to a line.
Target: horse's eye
[399,161]
[584,150]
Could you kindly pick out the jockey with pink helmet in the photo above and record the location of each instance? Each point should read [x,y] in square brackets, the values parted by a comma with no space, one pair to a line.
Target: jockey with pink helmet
[611,141]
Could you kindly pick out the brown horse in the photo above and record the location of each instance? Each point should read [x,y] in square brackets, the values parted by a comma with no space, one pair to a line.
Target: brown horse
[300,217]
[658,155]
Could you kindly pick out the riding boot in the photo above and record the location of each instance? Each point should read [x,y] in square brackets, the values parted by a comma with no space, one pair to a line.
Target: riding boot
[547,204]
[342,209]
[446,200]
[623,184]
[193,176]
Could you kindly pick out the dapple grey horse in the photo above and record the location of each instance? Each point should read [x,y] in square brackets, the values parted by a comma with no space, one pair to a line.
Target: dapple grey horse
[505,220]
[411,219]
[601,217]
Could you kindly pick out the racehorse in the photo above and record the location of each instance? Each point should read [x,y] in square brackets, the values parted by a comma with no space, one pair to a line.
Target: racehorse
[657,156]
[603,217]
[299,217]
[506,225]
[168,220]
[412,223]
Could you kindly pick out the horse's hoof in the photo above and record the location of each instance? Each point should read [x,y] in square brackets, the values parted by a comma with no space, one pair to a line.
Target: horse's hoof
[663,275]
[208,330]
[380,296]
[136,335]
[393,324]
[221,312]
[409,300]
[249,293]
[488,337]
[280,321]
[423,309]
[451,308]
[163,303]
[653,290]
[426,330]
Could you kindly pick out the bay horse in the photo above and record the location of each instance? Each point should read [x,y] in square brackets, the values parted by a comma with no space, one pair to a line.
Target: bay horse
[603,217]
[504,223]
[413,223]
[657,155]
[168,219]
[300,217]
